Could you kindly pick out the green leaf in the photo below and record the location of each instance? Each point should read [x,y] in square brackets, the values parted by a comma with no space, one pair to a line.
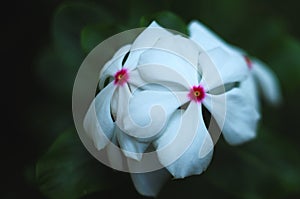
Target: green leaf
[69,20]
[263,168]
[58,64]
[92,35]
[68,171]
[54,74]
[286,62]
[167,20]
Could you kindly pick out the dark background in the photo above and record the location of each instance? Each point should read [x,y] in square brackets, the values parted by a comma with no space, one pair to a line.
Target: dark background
[25,30]
[36,111]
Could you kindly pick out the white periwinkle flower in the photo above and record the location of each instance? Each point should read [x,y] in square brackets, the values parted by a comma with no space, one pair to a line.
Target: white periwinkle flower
[152,96]
[260,76]
[108,106]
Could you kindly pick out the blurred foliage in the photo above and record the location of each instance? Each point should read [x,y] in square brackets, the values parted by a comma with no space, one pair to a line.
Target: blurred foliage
[65,170]
[267,167]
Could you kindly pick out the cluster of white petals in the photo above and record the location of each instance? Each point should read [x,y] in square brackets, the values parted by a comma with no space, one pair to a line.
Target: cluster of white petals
[153,93]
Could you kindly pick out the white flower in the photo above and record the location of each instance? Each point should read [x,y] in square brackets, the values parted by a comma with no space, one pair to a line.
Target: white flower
[260,76]
[111,118]
[152,95]
[177,72]
[102,116]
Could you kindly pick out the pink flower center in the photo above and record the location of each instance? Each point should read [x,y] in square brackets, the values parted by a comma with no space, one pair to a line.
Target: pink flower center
[197,94]
[121,77]
[248,61]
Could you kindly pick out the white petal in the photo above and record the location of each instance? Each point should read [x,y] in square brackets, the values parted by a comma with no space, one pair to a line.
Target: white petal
[219,68]
[145,113]
[130,146]
[113,65]
[163,75]
[176,52]
[170,132]
[185,147]
[144,41]
[133,58]
[149,37]
[135,80]
[115,156]
[180,46]
[235,114]
[163,67]
[114,104]
[122,51]
[98,123]
[207,39]
[150,183]
[250,89]
[267,81]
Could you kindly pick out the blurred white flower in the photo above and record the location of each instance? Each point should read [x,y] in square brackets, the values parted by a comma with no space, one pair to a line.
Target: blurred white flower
[260,77]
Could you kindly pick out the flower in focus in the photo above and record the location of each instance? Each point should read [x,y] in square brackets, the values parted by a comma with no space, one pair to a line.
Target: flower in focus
[117,78]
[198,81]
[153,94]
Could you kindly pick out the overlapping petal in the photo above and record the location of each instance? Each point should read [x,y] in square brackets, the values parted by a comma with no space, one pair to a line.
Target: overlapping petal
[98,123]
[264,77]
[156,73]
[144,41]
[207,39]
[149,37]
[164,66]
[219,68]
[113,65]
[145,113]
[185,149]
[236,115]
[130,146]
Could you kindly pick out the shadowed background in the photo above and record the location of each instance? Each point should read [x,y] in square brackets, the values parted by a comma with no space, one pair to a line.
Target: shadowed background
[43,45]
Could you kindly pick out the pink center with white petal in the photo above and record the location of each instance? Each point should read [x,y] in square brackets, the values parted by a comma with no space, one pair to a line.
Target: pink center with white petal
[197,94]
[121,77]
[248,61]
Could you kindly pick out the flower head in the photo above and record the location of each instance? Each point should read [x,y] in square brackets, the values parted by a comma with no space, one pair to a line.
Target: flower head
[152,100]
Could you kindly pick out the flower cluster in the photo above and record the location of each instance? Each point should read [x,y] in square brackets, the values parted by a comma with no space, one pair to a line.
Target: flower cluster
[153,93]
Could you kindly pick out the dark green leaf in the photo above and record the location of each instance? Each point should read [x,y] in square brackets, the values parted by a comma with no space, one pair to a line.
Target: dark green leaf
[259,169]
[92,35]
[57,77]
[58,64]
[68,171]
[69,20]
[286,62]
